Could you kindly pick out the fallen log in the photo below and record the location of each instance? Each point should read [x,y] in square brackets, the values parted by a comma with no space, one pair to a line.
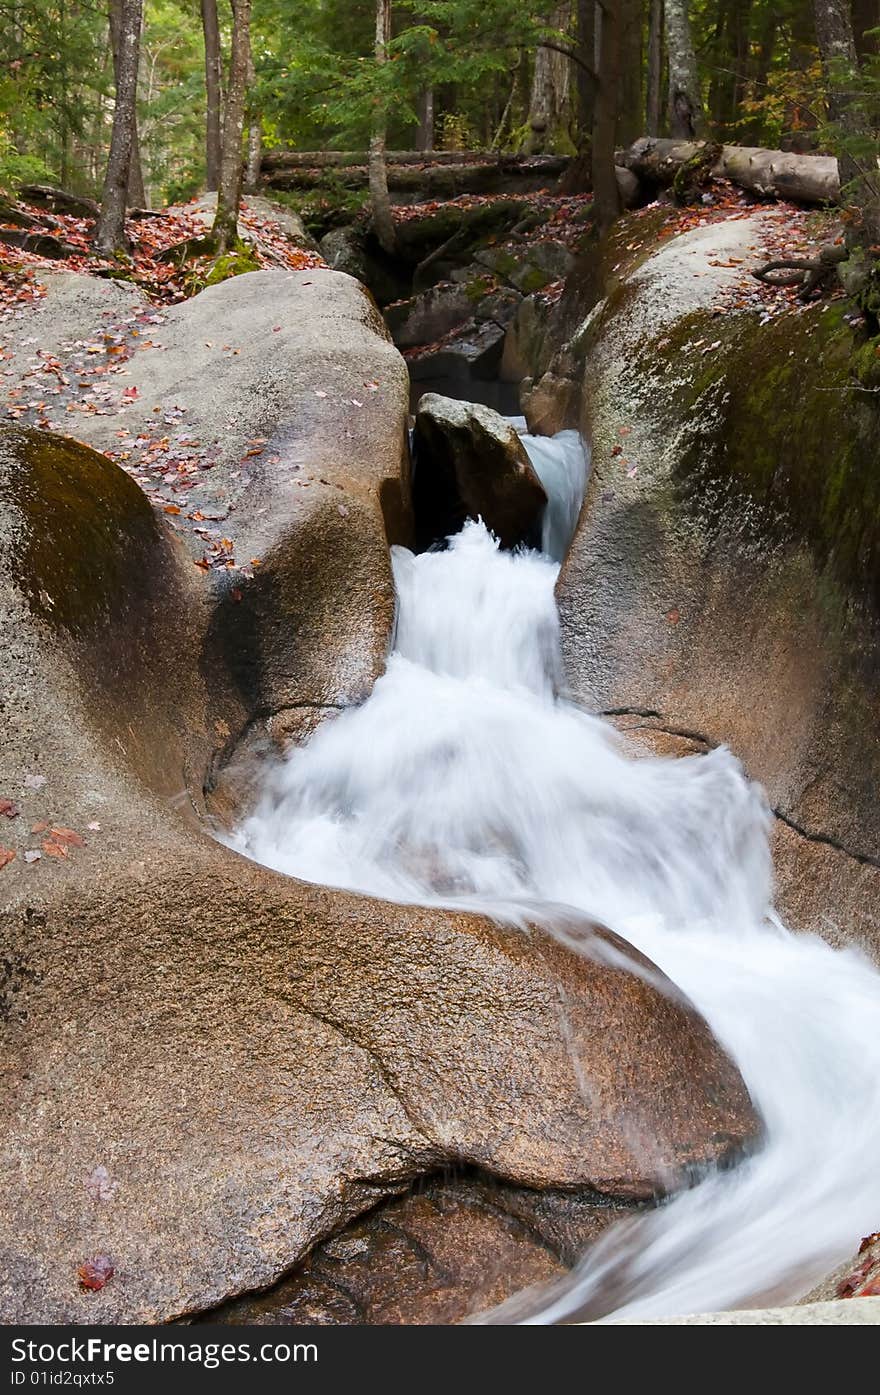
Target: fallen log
[777,174]
[480,175]
[277,160]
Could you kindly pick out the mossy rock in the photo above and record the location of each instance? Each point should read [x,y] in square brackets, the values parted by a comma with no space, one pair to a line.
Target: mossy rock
[743,392]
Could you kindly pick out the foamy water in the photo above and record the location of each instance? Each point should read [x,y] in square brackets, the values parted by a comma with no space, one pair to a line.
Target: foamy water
[466,780]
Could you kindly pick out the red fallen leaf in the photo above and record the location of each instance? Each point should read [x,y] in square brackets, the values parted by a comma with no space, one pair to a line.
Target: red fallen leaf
[93,1274]
[39,827]
[130,394]
[203,565]
[68,836]
[9,808]
[7,855]
[54,849]
[617,450]
[673,616]
[171,508]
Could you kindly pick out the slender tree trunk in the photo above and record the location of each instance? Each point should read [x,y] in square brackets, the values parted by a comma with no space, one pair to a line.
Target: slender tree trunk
[631,104]
[254,134]
[213,86]
[685,104]
[763,58]
[225,229]
[425,136]
[110,231]
[136,196]
[837,46]
[606,193]
[654,98]
[585,77]
[383,223]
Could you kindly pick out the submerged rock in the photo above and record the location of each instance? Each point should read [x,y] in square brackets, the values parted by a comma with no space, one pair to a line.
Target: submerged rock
[470,463]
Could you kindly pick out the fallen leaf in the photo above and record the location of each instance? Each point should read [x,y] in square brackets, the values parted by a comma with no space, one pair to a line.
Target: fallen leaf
[94,826]
[39,827]
[171,508]
[32,855]
[101,1186]
[9,808]
[54,849]
[34,782]
[94,1273]
[68,836]
[7,855]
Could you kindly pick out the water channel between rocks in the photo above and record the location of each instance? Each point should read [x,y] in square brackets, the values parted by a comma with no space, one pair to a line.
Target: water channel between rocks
[468,780]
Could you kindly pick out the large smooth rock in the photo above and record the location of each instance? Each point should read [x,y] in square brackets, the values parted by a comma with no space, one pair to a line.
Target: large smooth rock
[447,1250]
[724,580]
[470,463]
[209,1066]
[295,395]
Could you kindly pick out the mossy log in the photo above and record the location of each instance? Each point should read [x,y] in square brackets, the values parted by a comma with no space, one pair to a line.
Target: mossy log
[777,174]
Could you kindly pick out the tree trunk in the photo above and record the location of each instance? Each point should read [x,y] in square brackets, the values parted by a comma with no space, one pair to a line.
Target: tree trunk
[213,83]
[225,229]
[730,62]
[136,196]
[685,104]
[860,183]
[425,135]
[549,103]
[606,191]
[655,68]
[585,77]
[254,161]
[383,222]
[110,231]
[630,102]
[778,174]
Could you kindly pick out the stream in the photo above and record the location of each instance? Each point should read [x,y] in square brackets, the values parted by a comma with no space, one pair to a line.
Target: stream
[468,780]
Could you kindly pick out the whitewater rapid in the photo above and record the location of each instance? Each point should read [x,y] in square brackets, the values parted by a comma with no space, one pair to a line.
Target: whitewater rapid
[467,780]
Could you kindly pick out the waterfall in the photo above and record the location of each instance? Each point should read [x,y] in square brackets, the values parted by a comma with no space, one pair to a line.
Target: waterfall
[465,780]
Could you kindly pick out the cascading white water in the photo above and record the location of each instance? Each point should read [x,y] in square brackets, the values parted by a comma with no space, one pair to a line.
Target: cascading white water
[466,780]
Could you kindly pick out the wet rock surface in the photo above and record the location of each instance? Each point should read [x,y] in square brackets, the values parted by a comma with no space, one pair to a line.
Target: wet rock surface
[715,584]
[470,463]
[447,1251]
[209,1067]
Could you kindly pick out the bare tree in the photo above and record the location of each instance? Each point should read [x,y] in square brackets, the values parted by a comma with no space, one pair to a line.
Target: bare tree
[685,103]
[225,229]
[606,194]
[213,92]
[110,231]
[383,223]
[136,196]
